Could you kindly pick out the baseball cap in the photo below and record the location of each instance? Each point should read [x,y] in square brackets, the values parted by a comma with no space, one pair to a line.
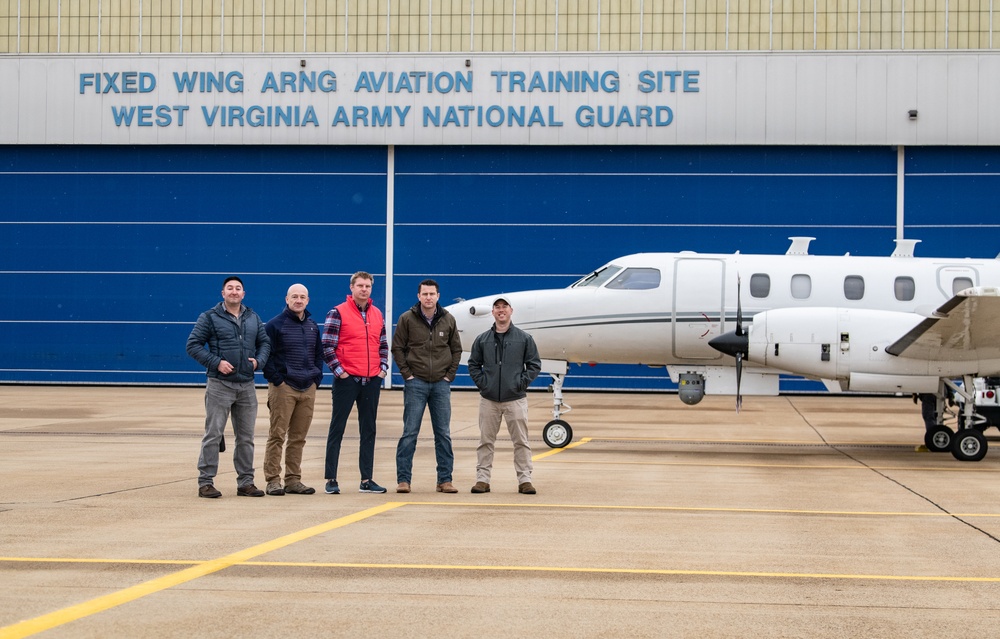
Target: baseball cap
[504,300]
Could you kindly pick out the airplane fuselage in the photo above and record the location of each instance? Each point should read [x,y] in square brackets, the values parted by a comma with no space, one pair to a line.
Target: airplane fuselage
[663,309]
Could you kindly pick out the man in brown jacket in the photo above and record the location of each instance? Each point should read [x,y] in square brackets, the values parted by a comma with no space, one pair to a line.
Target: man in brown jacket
[426,348]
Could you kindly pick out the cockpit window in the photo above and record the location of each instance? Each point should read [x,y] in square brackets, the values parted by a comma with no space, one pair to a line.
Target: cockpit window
[598,277]
[636,279]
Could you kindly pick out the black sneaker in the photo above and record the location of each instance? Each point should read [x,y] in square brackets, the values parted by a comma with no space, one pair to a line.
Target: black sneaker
[369,486]
[332,488]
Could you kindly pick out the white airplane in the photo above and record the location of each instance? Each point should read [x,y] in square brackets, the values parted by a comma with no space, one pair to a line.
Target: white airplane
[897,324]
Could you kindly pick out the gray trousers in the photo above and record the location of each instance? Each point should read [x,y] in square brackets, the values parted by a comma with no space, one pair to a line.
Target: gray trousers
[221,399]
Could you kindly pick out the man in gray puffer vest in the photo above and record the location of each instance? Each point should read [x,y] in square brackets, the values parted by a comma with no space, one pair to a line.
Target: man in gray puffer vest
[230,342]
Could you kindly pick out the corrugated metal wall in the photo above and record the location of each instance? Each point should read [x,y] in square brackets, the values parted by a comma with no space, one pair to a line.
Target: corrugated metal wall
[108,254]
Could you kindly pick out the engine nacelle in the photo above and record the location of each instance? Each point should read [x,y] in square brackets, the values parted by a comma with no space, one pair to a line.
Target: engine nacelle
[836,344]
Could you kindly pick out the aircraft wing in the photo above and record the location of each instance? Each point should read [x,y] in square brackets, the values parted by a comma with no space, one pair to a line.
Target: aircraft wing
[965,327]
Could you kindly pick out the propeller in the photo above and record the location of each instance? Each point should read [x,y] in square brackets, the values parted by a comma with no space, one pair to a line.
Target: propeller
[735,343]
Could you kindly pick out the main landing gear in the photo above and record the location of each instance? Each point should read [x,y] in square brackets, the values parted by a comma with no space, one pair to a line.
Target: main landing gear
[967,443]
[557,433]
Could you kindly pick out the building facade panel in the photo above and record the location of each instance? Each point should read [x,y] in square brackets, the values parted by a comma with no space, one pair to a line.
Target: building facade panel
[517,100]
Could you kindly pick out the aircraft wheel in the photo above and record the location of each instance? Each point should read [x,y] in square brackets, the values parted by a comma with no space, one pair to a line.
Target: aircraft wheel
[557,434]
[969,445]
[938,439]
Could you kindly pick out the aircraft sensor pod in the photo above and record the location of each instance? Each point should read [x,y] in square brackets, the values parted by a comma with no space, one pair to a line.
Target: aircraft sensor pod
[691,388]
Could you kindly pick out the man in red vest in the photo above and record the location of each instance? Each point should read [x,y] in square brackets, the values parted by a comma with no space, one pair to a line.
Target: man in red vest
[356,350]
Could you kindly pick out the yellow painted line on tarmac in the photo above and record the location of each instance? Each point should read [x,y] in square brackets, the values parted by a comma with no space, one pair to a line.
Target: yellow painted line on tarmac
[958,467]
[742,442]
[628,571]
[697,509]
[546,569]
[556,451]
[710,440]
[79,611]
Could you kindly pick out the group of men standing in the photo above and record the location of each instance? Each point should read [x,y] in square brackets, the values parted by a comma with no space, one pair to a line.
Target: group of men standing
[231,342]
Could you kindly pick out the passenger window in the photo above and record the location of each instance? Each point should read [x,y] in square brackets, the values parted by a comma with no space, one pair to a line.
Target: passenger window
[904,289]
[801,286]
[854,287]
[636,279]
[760,285]
[960,284]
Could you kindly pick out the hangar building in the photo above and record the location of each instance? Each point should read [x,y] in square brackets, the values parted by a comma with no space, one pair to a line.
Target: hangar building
[150,148]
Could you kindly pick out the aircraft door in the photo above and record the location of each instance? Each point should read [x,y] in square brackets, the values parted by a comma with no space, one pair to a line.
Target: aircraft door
[698,305]
[955,278]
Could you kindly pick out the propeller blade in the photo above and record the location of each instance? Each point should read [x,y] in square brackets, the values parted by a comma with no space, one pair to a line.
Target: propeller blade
[739,376]
[736,344]
[739,309]
[739,333]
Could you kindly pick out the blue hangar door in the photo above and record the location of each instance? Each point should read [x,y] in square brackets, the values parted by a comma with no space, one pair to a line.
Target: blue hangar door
[108,254]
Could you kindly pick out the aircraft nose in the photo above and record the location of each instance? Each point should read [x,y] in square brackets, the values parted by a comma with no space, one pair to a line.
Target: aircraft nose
[731,344]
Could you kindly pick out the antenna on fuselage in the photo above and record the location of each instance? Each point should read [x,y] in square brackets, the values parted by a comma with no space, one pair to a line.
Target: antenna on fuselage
[904,248]
[800,246]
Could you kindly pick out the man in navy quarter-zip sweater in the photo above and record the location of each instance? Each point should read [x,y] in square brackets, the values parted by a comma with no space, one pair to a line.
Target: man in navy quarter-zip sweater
[293,373]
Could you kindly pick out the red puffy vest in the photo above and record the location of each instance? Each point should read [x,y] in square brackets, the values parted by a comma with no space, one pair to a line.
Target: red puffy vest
[358,341]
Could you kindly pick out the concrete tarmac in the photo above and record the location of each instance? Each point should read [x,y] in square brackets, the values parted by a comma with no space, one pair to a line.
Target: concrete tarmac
[801,516]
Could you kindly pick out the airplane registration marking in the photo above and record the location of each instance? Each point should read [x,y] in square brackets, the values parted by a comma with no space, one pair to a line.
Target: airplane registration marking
[198,568]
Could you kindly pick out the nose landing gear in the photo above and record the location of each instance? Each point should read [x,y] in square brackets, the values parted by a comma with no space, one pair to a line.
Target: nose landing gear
[557,433]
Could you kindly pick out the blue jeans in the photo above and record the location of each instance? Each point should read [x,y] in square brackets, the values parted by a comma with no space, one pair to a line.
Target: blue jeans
[437,397]
[223,398]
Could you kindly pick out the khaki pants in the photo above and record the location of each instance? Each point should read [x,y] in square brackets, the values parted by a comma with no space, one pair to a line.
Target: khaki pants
[291,415]
[515,413]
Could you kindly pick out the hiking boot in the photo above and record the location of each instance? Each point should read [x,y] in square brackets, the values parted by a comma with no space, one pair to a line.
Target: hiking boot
[526,488]
[332,488]
[448,487]
[369,486]
[274,488]
[208,491]
[403,487]
[298,488]
[481,487]
[249,491]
